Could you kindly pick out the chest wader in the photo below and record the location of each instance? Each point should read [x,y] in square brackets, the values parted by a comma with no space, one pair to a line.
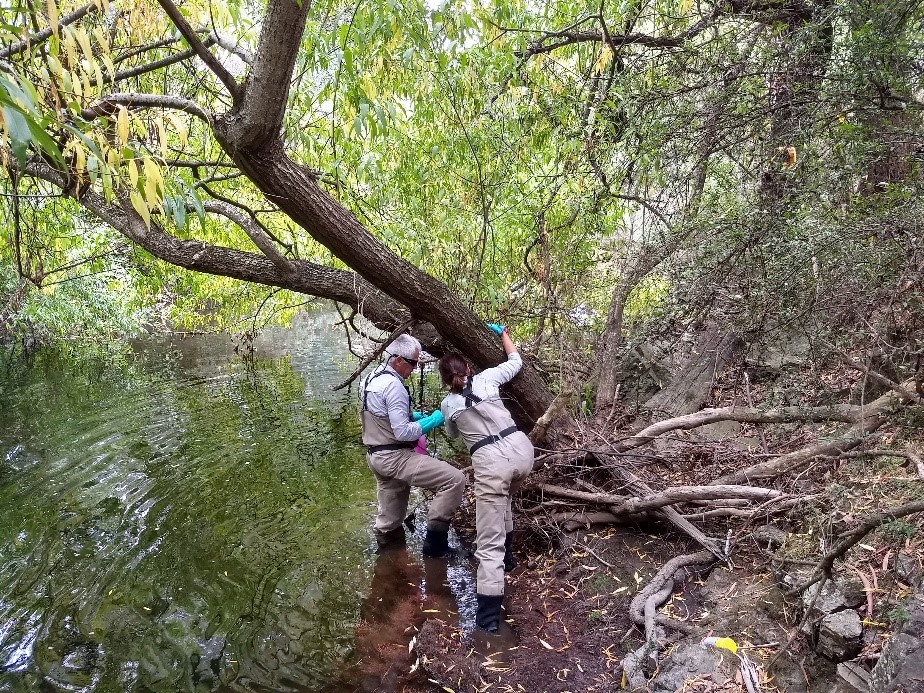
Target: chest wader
[378,436]
[497,459]
[446,482]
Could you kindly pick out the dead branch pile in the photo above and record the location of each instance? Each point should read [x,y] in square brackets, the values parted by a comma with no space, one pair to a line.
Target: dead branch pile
[621,479]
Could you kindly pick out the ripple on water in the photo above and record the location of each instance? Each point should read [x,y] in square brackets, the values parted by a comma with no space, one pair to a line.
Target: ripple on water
[177,521]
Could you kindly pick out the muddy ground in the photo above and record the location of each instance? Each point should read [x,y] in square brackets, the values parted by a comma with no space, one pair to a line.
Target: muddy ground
[567,625]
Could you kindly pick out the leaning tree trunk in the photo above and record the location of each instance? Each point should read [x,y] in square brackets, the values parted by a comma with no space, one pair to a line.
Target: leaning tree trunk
[689,389]
[251,133]
[294,189]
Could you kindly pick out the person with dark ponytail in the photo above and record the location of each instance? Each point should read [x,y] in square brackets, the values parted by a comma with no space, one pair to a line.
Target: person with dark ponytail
[502,456]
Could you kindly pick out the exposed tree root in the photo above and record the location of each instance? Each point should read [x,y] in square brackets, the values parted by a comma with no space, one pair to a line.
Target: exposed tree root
[643,612]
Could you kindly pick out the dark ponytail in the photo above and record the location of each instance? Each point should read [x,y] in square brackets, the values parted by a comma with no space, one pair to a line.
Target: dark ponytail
[453,371]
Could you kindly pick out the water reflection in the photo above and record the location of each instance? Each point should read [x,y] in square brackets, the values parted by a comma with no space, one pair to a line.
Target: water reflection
[176,521]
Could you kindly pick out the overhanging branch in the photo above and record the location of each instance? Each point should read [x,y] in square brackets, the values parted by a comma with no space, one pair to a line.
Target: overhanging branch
[45,34]
[107,105]
[306,277]
[213,63]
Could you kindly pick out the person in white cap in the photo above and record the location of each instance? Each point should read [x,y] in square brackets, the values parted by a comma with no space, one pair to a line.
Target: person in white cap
[390,434]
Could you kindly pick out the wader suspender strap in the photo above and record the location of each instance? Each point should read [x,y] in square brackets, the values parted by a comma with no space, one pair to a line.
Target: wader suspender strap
[391,446]
[493,439]
[470,399]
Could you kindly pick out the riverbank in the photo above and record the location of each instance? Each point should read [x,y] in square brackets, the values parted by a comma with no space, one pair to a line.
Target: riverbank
[568,607]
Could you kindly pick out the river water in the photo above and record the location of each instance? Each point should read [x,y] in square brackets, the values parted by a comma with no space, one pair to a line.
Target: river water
[182,519]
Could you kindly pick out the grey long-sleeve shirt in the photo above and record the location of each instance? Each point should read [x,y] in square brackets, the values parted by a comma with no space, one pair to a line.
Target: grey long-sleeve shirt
[387,397]
[485,384]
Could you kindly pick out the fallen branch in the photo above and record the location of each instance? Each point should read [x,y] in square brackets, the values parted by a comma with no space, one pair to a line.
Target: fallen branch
[401,329]
[871,418]
[682,494]
[853,537]
[595,555]
[621,505]
[751,513]
[571,521]
[574,494]
[845,413]
[636,485]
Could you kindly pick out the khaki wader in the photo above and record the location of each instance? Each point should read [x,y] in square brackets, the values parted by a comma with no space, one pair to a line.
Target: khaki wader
[500,466]
[398,469]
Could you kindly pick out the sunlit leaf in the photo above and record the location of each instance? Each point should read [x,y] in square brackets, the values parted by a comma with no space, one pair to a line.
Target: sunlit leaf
[52,10]
[122,125]
[132,174]
[140,207]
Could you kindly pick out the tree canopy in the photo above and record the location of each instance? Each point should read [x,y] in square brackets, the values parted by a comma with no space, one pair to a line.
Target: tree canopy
[574,170]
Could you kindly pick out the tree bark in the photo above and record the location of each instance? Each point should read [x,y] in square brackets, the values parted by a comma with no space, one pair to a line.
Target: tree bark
[295,190]
[690,387]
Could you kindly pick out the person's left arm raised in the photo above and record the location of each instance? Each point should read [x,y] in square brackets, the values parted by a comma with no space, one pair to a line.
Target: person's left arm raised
[498,375]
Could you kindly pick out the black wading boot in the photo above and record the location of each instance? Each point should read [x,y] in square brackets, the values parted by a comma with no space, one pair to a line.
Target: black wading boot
[487,618]
[392,539]
[509,561]
[436,543]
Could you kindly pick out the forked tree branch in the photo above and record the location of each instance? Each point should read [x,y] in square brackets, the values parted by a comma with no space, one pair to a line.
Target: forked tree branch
[255,232]
[259,115]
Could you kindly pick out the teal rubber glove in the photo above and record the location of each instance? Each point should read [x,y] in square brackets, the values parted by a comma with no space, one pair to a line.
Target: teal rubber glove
[416,416]
[495,328]
[428,423]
